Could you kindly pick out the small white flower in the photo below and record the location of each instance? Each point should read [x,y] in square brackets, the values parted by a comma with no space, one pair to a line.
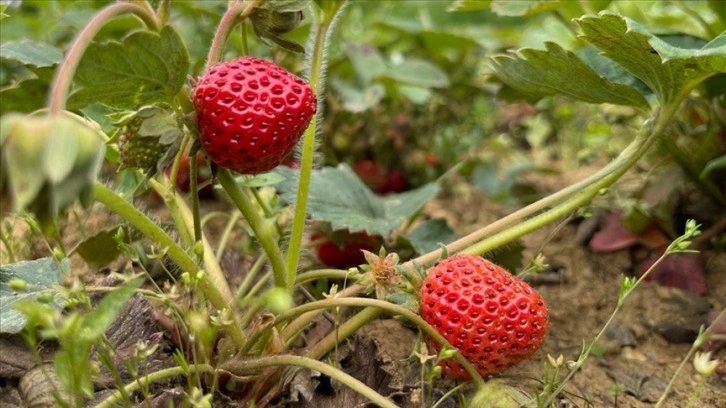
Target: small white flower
[703,364]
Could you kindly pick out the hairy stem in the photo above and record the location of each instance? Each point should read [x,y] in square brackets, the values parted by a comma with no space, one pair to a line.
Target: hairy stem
[257,223]
[385,306]
[317,82]
[116,396]
[235,13]
[63,78]
[245,366]
[146,226]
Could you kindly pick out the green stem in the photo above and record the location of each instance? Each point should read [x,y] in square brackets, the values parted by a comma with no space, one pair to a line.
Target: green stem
[586,352]
[385,306]
[245,366]
[234,14]
[339,274]
[345,330]
[620,165]
[295,327]
[168,196]
[62,82]
[116,396]
[258,225]
[193,190]
[562,210]
[227,233]
[146,226]
[317,82]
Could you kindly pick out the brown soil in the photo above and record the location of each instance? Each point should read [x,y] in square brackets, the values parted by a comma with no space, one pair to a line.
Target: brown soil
[630,366]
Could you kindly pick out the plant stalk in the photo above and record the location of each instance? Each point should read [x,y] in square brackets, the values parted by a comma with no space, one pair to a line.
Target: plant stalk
[317,82]
[62,81]
[258,225]
[235,13]
[146,226]
[244,366]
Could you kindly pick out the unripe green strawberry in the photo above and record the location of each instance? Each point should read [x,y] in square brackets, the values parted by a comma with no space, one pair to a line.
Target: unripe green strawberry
[147,138]
[494,319]
[251,113]
[137,152]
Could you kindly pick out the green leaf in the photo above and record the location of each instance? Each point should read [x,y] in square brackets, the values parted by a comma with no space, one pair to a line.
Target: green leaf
[25,96]
[558,71]
[367,61]
[100,249]
[358,100]
[41,276]
[97,321]
[516,8]
[260,180]
[671,72]
[470,5]
[417,73]
[145,68]
[430,235]
[32,53]
[339,197]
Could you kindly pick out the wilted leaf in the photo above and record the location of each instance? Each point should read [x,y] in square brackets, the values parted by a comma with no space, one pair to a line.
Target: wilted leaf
[679,270]
[41,275]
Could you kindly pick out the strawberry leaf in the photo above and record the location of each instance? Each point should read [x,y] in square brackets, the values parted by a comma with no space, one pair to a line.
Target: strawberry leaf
[557,71]
[145,68]
[32,53]
[40,275]
[339,197]
[430,235]
[670,71]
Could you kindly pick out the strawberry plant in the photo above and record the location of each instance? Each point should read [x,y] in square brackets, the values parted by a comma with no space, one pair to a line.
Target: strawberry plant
[256,298]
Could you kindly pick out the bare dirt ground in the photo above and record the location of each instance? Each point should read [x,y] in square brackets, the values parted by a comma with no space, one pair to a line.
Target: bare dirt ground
[630,366]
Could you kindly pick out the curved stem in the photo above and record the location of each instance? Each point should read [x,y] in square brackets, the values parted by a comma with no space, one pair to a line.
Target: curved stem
[317,82]
[345,330]
[146,226]
[244,366]
[622,163]
[194,191]
[388,307]
[62,81]
[341,274]
[295,327]
[236,13]
[257,223]
[581,198]
[156,376]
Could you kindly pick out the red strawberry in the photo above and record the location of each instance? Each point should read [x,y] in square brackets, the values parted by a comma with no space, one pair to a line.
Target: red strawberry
[183,177]
[343,249]
[251,113]
[494,319]
[372,174]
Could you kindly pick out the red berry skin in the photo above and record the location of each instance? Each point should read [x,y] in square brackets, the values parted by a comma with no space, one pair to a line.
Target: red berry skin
[372,174]
[494,319]
[251,113]
[347,252]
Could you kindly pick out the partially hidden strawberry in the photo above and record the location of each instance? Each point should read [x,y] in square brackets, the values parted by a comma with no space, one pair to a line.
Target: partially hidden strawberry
[148,136]
[494,319]
[251,113]
[343,249]
[183,176]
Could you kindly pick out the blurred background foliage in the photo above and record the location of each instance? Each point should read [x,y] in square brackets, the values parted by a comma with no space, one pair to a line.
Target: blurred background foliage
[409,85]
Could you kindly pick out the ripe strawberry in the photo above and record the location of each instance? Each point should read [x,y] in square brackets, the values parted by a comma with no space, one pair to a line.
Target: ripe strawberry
[372,174]
[251,113]
[494,319]
[343,249]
